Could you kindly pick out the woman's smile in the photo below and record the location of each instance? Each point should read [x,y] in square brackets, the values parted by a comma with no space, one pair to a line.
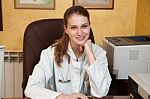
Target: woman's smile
[80,38]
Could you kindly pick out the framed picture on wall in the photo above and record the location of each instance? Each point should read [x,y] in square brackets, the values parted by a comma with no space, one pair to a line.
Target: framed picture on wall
[35,4]
[1,19]
[95,4]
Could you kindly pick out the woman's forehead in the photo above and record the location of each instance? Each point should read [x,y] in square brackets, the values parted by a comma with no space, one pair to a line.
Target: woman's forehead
[75,18]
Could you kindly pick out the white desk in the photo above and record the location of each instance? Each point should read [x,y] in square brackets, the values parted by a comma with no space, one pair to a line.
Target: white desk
[1,71]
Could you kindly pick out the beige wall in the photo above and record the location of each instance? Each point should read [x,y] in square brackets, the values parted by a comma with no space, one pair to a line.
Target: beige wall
[143,18]
[117,22]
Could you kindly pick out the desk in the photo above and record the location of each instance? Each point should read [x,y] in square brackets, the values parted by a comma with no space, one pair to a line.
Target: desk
[108,97]
[115,97]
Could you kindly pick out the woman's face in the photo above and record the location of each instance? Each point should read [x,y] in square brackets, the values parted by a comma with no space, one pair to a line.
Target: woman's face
[78,29]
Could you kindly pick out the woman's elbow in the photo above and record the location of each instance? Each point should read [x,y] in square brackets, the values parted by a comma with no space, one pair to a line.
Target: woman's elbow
[27,92]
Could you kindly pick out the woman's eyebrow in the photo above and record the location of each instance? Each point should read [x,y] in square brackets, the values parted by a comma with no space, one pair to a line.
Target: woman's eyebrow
[77,25]
[73,25]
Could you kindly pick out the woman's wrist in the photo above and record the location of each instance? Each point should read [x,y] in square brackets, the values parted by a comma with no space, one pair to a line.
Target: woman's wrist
[91,58]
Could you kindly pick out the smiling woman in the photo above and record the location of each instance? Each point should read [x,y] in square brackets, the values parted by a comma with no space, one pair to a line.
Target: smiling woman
[1,22]
[72,67]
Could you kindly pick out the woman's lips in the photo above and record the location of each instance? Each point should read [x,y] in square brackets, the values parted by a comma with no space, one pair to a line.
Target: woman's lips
[80,38]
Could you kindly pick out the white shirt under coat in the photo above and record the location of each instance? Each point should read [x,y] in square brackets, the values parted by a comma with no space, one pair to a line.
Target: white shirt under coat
[80,73]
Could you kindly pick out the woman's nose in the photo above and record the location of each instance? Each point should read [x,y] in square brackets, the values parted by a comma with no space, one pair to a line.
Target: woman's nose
[80,32]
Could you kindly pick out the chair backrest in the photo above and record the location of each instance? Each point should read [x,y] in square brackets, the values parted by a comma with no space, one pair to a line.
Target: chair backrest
[39,35]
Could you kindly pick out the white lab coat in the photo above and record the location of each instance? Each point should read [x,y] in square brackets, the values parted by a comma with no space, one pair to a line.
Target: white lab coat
[41,83]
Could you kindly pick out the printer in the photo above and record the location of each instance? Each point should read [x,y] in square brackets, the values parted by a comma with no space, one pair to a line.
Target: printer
[139,85]
[127,54]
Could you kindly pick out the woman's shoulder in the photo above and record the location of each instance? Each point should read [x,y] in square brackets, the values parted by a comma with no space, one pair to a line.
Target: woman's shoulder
[98,48]
[95,46]
[48,51]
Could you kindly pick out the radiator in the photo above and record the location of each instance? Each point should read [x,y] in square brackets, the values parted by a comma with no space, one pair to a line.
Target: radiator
[1,71]
[13,73]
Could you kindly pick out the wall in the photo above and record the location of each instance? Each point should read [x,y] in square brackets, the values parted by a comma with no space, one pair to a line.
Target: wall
[117,22]
[1,25]
[143,18]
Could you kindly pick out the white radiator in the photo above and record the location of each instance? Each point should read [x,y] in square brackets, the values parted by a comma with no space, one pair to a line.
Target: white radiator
[13,73]
[1,71]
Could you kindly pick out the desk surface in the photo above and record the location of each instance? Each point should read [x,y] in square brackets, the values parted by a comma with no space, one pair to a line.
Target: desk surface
[115,97]
[109,97]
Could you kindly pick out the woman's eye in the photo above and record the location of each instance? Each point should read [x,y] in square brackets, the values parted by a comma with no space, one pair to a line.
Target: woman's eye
[73,27]
[84,26]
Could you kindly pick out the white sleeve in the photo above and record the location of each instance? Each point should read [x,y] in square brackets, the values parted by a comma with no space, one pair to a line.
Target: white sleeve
[36,86]
[99,75]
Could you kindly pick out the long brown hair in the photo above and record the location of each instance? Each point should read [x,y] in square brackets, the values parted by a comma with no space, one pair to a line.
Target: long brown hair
[61,45]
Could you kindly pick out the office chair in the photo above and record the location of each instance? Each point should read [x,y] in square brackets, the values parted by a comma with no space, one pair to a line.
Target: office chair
[39,35]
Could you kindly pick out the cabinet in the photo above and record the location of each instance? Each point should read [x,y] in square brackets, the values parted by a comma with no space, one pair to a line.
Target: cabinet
[119,87]
[1,71]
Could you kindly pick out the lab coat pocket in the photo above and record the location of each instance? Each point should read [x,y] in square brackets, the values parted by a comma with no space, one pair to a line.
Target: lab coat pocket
[86,88]
[64,87]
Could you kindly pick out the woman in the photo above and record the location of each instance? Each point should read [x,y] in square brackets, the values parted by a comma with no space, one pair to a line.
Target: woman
[73,67]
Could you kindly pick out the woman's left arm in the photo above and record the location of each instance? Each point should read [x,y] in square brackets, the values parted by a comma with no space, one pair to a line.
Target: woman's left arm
[98,72]
[89,52]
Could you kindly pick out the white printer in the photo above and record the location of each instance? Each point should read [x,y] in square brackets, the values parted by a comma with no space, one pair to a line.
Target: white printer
[128,54]
[139,85]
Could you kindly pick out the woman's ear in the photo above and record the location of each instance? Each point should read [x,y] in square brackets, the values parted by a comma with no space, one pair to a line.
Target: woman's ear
[65,29]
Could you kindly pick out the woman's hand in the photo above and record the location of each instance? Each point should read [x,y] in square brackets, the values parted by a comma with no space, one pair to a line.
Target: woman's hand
[88,47]
[89,51]
[72,96]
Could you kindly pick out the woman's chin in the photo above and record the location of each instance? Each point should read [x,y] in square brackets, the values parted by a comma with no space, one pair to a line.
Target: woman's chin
[81,43]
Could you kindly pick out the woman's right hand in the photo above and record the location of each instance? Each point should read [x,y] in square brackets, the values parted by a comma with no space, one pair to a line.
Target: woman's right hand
[72,96]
